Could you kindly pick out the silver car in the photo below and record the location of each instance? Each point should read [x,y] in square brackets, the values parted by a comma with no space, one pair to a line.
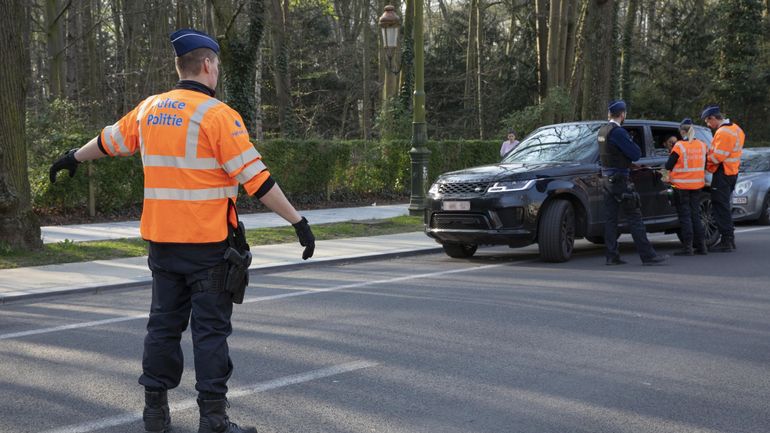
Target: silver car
[751,198]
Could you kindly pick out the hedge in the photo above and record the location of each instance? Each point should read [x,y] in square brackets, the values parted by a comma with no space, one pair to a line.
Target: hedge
[307,170]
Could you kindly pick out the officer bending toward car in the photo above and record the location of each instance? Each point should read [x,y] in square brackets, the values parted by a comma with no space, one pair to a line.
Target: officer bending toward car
[195,151]
[687,164]
[724,160]
[617,151]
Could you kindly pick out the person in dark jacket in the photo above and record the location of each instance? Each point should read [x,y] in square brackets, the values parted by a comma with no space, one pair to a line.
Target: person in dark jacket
[617,151]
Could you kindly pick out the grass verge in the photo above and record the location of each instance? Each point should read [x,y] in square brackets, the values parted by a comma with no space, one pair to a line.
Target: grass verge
[70,252]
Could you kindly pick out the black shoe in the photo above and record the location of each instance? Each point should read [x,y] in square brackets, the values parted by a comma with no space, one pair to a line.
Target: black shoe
[656,261]
[156,414]
[701,251]
[214,418]
[725,245]
[685,252]
[615,261]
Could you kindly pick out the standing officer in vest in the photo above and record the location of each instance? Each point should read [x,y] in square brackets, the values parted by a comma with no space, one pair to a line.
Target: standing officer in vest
[687,164]
[617,151]
[723,159]
[195,151]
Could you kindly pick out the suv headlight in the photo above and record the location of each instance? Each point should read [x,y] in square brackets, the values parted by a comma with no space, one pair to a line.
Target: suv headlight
[741,188]
[433,189]
[516,185]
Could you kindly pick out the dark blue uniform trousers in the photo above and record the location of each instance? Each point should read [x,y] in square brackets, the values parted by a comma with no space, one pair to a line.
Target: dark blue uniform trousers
[722,187]
[691,225]
[181,294]
[614,188]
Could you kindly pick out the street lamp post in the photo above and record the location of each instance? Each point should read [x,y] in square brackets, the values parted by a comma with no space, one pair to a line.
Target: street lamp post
[390,24]
[419,153]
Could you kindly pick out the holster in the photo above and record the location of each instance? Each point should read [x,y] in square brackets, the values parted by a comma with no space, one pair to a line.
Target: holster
[238,259]
[622,190]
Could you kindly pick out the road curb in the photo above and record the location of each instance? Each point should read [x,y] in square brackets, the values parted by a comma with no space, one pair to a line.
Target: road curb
[26,297]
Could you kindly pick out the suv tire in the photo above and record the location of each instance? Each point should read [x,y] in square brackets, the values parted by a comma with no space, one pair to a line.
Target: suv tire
[556,231]
[764,215]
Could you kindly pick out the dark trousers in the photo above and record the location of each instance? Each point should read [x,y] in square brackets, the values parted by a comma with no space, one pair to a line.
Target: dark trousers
[180,294]
[691,225]
[618,197]
[722,187]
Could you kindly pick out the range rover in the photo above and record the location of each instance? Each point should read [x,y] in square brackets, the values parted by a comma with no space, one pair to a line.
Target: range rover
[548,191]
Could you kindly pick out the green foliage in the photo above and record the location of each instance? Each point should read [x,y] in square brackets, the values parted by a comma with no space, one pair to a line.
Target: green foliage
[308,171]
[394,121]
[556,107]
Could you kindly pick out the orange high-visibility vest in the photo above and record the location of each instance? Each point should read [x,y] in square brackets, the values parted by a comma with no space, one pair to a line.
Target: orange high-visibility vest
[690,169]
[195,151]
[726,149]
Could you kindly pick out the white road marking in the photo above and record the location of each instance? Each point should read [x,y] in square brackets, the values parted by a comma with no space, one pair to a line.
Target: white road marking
[248,301]
[233,393]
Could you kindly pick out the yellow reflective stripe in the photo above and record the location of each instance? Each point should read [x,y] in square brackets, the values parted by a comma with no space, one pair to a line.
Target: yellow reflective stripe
[179,162]
[250,171]
[689,180]
[714,159]
[194,126]
[139,116]
[686,170]
[117,137]
[190,194]
[733,159]
[239,161]
[721,152]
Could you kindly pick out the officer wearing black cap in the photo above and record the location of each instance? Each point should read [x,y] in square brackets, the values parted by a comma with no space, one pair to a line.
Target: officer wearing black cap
[196,152]
[724,161]
[617,151]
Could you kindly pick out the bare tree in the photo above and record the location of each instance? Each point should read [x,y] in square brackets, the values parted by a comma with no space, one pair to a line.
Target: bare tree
[599,60]
[18,225]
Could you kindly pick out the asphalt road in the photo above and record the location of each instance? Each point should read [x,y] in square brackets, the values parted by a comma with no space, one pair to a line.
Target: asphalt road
[499,343]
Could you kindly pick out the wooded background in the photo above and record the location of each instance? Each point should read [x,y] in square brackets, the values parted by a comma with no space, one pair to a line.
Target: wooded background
[299,69]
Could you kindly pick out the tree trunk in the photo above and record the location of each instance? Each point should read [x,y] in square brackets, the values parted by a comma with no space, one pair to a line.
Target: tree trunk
[598,61]
[541,26]
[628,35]
[19,228]
[365,61]
[470,57]
[554,38]
[479,67]
[406,78]
[55,43]
[281,77]
[576,75]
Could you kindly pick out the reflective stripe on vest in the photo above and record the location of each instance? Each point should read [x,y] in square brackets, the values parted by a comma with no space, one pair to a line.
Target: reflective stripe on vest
[731,156]
[190,194]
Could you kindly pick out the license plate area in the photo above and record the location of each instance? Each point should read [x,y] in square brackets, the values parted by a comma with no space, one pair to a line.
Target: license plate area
[740,200]
[456,205]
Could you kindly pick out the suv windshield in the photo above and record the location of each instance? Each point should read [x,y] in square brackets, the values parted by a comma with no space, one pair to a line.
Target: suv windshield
[755,161]
[558,143]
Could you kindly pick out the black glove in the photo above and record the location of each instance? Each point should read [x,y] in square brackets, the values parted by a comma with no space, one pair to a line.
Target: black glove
[306,238]
[67,161]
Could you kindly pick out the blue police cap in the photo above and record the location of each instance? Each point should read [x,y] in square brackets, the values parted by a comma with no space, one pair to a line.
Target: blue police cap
[616,107]
[186,40]
[711,110]
[686,123]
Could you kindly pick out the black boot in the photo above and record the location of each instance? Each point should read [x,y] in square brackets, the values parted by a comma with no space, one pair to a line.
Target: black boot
[726,245]
[214,418]
[700,248]
[156,415]
[685,252]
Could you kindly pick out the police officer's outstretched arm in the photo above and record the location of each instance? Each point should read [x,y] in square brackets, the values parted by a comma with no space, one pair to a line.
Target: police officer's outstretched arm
[72,158]
[277,202]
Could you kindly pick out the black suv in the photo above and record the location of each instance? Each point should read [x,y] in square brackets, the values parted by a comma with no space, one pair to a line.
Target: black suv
[548,191]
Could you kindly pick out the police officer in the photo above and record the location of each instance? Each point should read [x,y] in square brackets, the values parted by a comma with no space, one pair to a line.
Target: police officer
[616,152]
[687,163]
[724,160]
[195,151]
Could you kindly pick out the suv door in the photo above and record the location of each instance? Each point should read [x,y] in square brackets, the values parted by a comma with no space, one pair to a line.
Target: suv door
[652,165]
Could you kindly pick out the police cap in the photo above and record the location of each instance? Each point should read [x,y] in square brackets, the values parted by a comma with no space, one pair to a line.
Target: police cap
[711,110]
[186,40]
[616,107]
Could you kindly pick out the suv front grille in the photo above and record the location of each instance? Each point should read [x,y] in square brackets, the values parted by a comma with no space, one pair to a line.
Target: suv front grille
[475,188]
[459,221]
